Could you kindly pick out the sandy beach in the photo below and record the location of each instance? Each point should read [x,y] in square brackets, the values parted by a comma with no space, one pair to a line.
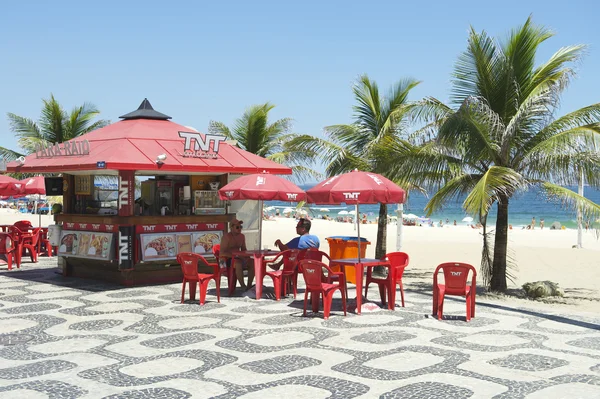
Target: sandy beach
[539,254]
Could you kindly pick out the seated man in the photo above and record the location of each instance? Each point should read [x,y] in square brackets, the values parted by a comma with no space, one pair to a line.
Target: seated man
[303,241]
[236,241]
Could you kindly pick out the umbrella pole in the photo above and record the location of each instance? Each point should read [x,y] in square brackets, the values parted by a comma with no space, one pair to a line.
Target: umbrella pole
[260,217]
[358,230]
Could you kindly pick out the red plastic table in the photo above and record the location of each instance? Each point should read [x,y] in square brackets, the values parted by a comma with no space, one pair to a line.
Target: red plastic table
[259,266]
[359,268]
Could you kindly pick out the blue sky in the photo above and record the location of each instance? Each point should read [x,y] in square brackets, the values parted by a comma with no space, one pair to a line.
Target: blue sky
[202,61]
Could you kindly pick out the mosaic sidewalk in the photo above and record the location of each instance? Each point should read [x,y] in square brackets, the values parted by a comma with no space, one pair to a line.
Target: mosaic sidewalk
[72,338]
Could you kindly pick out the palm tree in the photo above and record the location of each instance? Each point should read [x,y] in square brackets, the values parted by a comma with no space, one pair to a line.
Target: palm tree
[502,136]
[363,144]
[54,126]
[255,134]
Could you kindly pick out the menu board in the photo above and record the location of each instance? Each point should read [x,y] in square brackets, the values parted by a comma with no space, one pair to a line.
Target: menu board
[86,244]
[161,246]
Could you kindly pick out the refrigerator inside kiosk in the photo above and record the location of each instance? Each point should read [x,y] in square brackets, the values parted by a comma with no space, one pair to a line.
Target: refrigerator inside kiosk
[207,202]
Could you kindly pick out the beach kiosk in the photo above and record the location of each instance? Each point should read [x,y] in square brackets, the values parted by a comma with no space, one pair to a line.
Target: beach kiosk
[109,234]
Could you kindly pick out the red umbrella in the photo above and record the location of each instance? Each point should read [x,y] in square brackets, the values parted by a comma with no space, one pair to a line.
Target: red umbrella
[356,187]
[34,185]
[262,187]
[10,186]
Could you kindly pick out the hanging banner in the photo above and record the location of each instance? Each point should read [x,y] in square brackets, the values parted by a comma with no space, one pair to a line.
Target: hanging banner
[125,251]
[126,192]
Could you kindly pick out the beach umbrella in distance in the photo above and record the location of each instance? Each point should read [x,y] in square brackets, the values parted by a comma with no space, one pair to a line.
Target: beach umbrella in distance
[411,216]
[288,210]
[352,212]
[10,186]
[262,187]
[356,188]
[34,185]
[323,209]
[468,219]
[342,212]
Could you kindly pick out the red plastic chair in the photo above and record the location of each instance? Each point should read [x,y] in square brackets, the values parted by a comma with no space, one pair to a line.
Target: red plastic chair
[18,238]
[312,270]
[9,249]
[189,266]
[224,270]
[282,276]
[30,244]
[44,243]
[398,262]
[455,283]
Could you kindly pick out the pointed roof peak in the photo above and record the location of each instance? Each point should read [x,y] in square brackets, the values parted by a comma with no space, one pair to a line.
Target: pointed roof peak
[145,111]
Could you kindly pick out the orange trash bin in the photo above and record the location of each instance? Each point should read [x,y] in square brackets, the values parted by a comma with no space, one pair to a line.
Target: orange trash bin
[345,247]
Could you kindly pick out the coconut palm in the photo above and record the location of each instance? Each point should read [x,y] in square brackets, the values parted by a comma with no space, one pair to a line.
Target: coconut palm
[501,136]
[54,126]
[363,144]
[255,134]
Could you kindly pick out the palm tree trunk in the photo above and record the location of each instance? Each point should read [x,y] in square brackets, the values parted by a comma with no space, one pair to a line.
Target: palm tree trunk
[380,248]
[498,283]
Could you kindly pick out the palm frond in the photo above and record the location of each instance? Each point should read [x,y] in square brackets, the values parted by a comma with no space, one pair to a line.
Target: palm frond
[571,200]
[219,128]
[454,188]
[497,182]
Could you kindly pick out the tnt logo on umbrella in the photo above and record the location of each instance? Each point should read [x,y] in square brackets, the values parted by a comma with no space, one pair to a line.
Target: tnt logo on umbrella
[260,180]
[292,197]
[351,195]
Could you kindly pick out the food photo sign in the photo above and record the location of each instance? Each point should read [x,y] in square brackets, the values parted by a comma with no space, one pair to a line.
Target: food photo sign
[86,244]
[162,246]
[159,246]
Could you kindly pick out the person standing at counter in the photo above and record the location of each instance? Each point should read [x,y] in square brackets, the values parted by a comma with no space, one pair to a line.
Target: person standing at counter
[234,240]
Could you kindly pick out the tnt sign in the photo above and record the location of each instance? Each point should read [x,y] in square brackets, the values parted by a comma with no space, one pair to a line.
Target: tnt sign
[125,247]
[456,274]
[126,191]
[260,180]
[351,196]
[196,146]
[292,197]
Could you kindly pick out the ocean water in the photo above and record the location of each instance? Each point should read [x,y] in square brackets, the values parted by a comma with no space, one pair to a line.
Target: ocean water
[522,207]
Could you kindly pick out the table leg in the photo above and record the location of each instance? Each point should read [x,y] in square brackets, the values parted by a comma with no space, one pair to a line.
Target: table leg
[391,288]
[258,275]
[358,271]
[343,270]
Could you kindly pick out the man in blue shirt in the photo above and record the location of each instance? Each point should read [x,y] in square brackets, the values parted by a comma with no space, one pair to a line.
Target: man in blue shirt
[304,241]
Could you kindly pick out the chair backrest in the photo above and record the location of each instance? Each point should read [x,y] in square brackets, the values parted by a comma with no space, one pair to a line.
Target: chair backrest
[35,236]
[23,225]
[216,249]
[455,275]
[15,232]
[312,270]
[313,254]
[6,243]
[399,261]
[290,260]
[189,264]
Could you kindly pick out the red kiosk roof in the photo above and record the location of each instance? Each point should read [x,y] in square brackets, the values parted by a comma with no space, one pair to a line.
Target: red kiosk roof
[134,144]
